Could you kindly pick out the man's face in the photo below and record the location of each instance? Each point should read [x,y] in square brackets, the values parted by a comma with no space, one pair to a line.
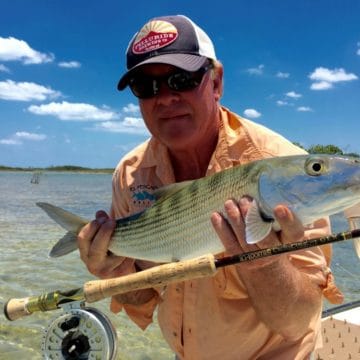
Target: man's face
[181,120]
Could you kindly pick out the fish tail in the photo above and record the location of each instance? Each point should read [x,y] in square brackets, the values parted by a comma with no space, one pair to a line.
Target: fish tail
[70,222]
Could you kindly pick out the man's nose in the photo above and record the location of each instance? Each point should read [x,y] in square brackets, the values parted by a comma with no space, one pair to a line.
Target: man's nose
[166,95]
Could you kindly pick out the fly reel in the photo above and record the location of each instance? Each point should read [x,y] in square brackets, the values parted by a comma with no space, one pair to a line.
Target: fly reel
[79,333]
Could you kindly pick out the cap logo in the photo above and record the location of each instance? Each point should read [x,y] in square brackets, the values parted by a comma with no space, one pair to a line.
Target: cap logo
[153,36]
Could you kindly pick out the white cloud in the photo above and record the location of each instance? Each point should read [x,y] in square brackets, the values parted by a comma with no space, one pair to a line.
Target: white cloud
[131,108]
[73,111]
[12,49]
[137,122]
[25,91]
[282,103]
[293,95]
[3,68]
[304,108]
[252,113]
[108,120]
[30,136]
[336,75]
[133,124]
[325,78]
[282,75]
[69,64]
[321,85]
[20,136]
[256,71]
[10,141]
[130,125]
[358,52]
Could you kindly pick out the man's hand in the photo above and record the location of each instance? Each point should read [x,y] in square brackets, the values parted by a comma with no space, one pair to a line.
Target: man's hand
[93,242]
[231,231]
[285,298]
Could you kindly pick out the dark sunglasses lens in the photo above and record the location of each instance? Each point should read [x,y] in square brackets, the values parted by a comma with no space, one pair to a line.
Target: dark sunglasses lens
[183,81]
[145,87]
[142,87]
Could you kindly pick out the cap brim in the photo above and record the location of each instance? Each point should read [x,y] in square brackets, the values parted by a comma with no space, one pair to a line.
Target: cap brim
[186,62]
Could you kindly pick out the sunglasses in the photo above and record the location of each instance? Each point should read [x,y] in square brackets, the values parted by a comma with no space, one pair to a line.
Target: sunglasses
[145,86]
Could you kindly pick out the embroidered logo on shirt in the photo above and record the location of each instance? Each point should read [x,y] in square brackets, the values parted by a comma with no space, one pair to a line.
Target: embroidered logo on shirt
[153,36]
[142,195]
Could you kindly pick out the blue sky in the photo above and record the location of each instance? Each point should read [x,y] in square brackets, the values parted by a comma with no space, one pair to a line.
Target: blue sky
[293,66]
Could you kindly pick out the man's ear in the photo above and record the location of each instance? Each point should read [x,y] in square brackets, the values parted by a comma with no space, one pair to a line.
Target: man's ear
[217,76]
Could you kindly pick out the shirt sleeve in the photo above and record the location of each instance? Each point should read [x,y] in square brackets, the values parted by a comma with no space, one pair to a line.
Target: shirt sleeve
[141,315]
[315,262]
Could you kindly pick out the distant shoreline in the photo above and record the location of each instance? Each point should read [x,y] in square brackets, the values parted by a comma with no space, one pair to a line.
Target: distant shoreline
[65,168]
[314,149]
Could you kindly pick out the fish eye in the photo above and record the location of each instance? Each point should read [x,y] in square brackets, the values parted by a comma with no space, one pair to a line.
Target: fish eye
[315,166]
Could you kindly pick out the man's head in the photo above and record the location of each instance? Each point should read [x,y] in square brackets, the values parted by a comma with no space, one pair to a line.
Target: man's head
[173,40]
[172,69]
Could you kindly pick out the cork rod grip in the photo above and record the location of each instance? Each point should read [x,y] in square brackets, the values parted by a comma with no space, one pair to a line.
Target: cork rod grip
[157,276]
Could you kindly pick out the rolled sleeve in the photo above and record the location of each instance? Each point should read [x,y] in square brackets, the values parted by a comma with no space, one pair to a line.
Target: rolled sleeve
[141,315]
[315,262]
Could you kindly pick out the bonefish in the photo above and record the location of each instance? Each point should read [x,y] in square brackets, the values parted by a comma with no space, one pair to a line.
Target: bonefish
[177,226]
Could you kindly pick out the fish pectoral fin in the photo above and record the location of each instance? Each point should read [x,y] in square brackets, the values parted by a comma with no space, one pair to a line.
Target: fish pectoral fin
[168,190]
[256,229]
[64,246]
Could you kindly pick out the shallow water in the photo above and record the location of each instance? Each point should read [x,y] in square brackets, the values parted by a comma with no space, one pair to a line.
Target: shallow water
[27,234]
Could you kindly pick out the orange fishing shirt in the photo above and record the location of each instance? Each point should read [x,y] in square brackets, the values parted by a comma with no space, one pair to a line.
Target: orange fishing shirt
[212,318]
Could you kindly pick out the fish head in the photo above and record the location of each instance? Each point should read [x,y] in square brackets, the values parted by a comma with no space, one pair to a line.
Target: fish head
[312,186]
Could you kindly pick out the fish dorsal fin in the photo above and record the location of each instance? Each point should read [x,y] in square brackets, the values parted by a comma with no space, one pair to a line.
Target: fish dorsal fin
[256,228]
[168,190]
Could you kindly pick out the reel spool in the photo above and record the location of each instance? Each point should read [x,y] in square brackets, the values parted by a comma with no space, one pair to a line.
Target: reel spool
[79,333]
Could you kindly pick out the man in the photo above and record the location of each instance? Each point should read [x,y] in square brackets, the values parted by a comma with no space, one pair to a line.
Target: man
[265,309]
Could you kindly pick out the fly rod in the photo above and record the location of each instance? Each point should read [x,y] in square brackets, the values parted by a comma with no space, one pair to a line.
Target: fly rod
[337,309]
[161,275]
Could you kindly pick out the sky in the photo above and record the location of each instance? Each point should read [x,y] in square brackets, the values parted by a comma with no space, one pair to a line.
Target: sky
[293,66]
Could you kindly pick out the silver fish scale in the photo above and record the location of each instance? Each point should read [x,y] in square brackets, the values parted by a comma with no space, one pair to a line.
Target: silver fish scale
[178,226]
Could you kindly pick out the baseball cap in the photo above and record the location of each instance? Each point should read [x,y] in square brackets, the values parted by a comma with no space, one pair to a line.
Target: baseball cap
[175,40]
